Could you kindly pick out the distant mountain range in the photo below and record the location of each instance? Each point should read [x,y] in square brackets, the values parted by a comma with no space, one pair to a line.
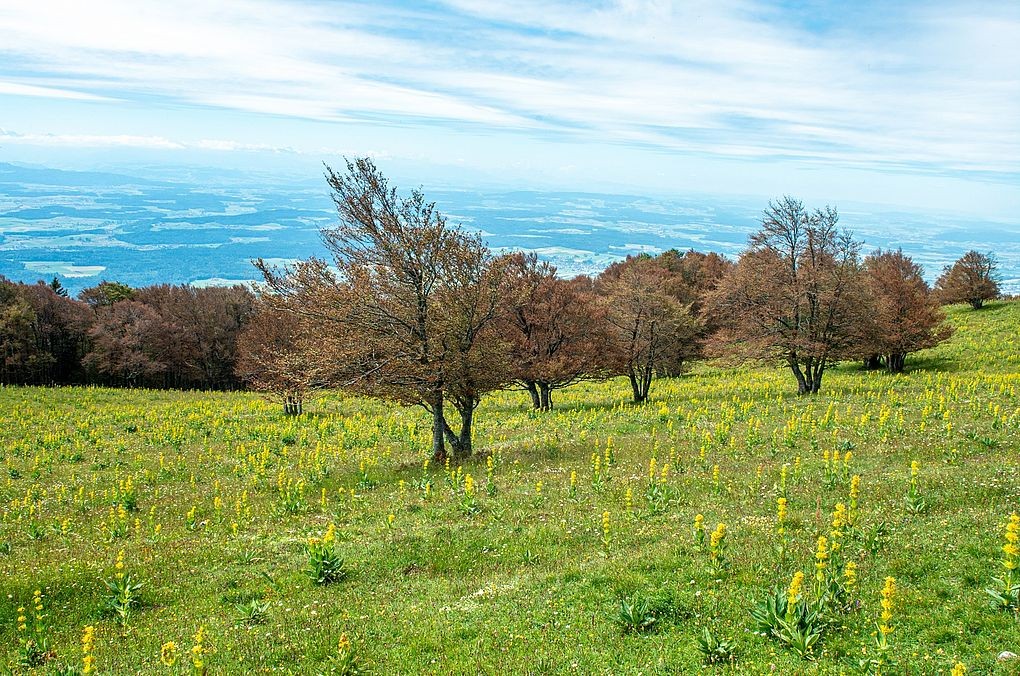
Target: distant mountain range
[83,227]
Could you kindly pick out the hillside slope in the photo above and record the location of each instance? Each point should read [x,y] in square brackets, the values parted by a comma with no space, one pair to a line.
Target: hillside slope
[220,494]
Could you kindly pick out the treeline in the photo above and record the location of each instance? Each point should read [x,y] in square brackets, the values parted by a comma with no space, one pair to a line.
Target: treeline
[157,336]
[414,310]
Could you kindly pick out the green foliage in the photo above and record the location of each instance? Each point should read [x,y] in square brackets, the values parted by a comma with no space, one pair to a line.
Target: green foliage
[635,615]
[325,565]
[800,628]
[122,597]
[715,650]
[1005,596]
[252,612]
[345,661]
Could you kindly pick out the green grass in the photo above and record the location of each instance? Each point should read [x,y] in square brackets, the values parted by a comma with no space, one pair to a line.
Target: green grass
[525,585]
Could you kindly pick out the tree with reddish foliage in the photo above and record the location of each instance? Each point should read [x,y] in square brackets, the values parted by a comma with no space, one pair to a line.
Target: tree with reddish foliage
[971,279]
[408,309]
[124,339]
[20,357]
[794,296]
[198,346]
[648,327]
[903,314]
[557,330]
[61,329]
[693,274]
[42,334]
[273,357]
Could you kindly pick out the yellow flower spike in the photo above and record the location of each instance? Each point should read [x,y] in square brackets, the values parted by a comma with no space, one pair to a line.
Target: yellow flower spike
[850,575]
[888,596]
[198,649]
[781,508]
[168,653]
[821,558]
[88,645]
[958,669]
[795,590]
[119,565]
[715,540]
[1011,550]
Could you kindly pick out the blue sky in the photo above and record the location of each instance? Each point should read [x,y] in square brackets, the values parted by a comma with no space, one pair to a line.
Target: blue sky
[907,103]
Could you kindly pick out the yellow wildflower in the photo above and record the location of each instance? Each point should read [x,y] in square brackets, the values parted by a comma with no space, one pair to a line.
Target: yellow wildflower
[168,653]
[888,595]
[88,646]
[821,558]
[781,515]
[850,575]
[795,590]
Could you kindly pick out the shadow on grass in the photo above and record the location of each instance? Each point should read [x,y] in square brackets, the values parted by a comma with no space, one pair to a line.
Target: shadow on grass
[936,364]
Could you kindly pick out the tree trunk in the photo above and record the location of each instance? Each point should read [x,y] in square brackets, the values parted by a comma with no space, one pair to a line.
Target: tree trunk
[461,443]
[976,303]
[815,371]
[635,386]
[872,362]
[438,428]
[802,383]
[292,405]
[532,388]
[646,382]
[896,362]
[546,396]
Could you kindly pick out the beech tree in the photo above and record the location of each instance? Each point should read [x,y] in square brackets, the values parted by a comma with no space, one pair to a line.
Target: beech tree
[971,279]
[60,329]
[407,310]
[198,344]
[556,329]
[273,357]
[690,276]
[903,315]
[794,296]
[648,327]
[42,334]
[20,356]
[124,341]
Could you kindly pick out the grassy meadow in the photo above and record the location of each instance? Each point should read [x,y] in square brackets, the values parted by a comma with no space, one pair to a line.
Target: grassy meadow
[522,568]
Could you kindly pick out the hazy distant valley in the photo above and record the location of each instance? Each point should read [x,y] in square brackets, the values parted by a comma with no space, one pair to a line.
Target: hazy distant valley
[84,227]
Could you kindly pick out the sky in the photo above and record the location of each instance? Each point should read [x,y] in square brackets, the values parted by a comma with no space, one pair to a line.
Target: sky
[895,102]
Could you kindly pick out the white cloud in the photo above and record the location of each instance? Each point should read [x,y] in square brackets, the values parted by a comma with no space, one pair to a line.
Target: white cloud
[20,89]
[930,88]
[91,140]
